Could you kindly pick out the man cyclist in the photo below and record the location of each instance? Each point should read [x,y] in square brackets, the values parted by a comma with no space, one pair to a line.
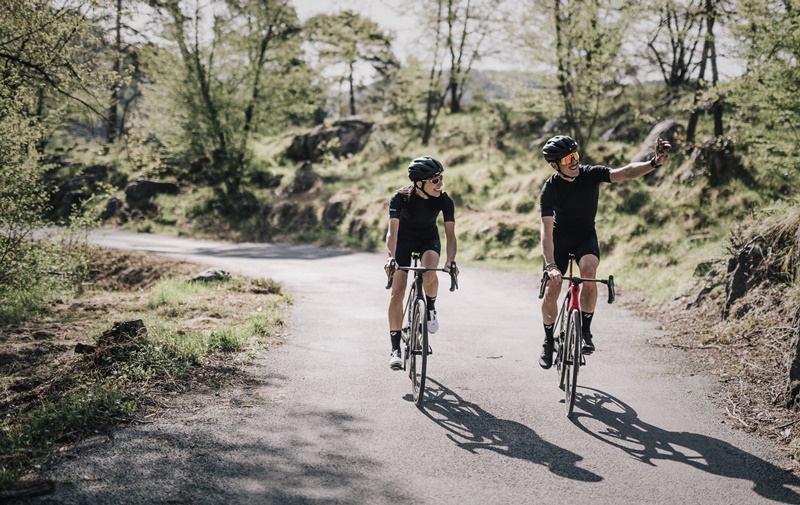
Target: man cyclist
[413,211]
[568,208]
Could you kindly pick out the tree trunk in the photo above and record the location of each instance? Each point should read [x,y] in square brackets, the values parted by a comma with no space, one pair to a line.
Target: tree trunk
[352,91]
[112,131]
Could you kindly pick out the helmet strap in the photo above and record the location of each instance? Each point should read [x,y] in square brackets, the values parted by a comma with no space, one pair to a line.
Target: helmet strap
[422,188]
[565,176]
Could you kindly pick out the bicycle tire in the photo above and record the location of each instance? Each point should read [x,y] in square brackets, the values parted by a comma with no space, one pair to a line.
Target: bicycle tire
[418,344]
[573,361]
[561,331]
[408,317]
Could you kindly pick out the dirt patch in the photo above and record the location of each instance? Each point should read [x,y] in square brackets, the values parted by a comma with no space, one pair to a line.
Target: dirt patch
[37,356]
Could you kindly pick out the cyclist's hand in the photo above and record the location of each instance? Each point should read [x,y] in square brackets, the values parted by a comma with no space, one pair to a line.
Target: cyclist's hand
[390,266]
[662,149]
[555,275]
[448,265]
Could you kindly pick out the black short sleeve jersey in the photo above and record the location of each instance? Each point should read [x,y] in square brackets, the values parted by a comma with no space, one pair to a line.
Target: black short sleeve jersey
[573,205]
[418,215]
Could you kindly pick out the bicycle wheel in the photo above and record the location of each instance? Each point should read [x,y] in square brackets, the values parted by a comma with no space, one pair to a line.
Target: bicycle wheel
[560,336]
[408,317]
[418,344]
[573,360]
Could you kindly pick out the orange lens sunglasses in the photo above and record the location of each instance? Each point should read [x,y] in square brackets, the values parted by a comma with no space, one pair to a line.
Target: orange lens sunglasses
[566,160]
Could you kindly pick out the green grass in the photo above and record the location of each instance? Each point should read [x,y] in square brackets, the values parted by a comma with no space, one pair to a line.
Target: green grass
[19,305]
[174,292]
[117,386]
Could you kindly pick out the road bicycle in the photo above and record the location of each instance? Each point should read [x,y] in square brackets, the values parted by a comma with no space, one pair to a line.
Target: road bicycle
[569,346]
[414,333]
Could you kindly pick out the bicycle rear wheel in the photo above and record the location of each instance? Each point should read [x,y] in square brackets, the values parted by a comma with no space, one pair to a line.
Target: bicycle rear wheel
[418,351]
[572,352]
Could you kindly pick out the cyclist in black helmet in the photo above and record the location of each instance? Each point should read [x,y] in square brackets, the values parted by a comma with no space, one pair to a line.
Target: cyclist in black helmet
[568,208]
[413,211]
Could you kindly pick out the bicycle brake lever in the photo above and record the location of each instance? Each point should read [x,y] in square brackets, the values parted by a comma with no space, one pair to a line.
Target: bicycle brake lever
[453,276]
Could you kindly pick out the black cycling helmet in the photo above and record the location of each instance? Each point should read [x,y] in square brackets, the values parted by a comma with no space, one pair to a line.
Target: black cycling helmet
[558,147]
[424,168]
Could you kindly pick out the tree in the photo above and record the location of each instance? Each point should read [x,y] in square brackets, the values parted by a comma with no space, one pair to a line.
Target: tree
[588,38]
[711,13]
[346,39]
[469,23]
[242,74]
[769,44]
[47,52]
[673,44]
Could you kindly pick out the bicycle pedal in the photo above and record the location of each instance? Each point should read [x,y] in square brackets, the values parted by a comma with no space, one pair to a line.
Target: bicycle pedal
[430,350]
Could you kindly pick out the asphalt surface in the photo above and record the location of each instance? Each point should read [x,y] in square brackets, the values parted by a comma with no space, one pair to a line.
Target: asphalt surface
[329,423]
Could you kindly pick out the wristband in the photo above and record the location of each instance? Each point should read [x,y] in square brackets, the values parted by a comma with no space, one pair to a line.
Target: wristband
[549,266]
[653,163]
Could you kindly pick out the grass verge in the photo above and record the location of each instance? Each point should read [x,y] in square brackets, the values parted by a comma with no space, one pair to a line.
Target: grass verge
[66,375]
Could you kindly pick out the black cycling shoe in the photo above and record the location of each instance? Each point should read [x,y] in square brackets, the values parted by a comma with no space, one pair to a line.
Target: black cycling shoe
[546,358]
[588,345]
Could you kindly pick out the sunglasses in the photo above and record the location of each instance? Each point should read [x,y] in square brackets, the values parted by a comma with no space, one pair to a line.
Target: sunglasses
[436,180]
[566,160]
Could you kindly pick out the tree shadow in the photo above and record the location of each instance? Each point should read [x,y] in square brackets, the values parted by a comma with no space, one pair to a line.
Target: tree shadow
[648,443]
[473,429]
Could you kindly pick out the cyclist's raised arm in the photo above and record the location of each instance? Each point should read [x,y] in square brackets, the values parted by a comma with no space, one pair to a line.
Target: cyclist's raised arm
[639,168]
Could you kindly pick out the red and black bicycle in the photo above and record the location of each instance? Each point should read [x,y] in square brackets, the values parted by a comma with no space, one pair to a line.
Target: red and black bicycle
[569,347]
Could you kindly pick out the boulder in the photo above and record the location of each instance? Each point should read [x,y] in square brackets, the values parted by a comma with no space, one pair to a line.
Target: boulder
[341,138]
[668,129]
[139,192]
[211,275]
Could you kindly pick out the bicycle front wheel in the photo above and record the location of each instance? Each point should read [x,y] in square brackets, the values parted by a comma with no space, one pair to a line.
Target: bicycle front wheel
[572,352]
[418,351]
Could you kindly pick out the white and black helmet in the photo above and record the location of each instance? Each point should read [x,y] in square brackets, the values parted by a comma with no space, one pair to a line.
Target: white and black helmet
[424,168]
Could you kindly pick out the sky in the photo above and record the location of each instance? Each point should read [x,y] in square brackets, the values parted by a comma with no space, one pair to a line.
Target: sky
[389,14]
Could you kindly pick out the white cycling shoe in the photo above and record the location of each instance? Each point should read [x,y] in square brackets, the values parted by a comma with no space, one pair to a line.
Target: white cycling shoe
[433,322]
[395,361]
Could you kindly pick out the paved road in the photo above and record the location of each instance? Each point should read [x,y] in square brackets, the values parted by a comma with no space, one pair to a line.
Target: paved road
[329,423]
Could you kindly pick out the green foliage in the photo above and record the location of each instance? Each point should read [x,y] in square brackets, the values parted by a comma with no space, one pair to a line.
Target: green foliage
[346,40]
[247,77]
[174,292]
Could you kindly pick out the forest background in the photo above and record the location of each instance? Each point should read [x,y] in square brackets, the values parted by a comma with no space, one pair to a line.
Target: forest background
[238,120]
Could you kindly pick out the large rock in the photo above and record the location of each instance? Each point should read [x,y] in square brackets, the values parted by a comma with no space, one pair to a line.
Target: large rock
[669,130]
[343,137]
[139,192]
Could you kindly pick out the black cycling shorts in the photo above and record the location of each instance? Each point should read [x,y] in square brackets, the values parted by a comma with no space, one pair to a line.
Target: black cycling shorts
[579,244]
[402,253]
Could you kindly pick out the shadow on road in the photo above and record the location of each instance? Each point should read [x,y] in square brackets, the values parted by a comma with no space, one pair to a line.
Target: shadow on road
[472,428]
[646,443]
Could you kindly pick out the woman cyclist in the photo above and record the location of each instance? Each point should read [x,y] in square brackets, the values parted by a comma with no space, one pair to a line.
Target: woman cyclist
[568,208]
[413,211]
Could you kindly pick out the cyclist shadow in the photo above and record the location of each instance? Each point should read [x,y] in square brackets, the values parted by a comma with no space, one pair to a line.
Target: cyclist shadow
[472,428]
[648,443]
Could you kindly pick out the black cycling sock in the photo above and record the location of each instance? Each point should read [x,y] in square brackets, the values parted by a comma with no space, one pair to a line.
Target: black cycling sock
[395,336]
[586,322]
[548,331]
[431,303]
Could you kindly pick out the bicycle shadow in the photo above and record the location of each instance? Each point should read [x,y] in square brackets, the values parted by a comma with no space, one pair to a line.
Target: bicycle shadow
[472,428]
[648,443]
